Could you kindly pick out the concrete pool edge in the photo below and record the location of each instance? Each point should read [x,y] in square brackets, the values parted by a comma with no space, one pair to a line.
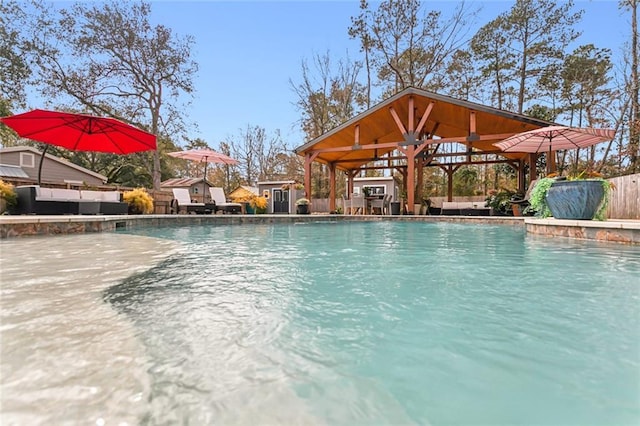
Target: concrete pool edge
[616,231]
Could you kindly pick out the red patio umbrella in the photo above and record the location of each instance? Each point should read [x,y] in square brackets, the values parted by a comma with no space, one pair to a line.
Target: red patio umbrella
[554,138]
[80,132]
[205,156]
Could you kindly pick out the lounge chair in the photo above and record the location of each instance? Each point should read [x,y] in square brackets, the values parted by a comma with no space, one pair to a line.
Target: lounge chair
[182,202]
[218,197]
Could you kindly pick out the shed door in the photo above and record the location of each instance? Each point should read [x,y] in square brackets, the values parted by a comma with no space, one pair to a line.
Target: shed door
[280,201]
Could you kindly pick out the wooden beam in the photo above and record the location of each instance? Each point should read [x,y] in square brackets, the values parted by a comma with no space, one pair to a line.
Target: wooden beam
[457,139]
[412,114]
[441,165]
[472,122]
[332,187]
[424,118]
[533,172]
[411,175]
[394,114]
[308,160]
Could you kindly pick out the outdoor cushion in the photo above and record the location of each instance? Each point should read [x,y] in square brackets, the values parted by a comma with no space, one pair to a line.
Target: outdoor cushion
[109,201]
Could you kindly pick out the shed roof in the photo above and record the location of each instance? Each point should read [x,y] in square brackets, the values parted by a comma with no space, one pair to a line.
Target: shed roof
[8,170]
[435,119]
[181,182]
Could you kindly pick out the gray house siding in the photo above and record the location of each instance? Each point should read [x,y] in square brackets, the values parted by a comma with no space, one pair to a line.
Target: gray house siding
[53,171]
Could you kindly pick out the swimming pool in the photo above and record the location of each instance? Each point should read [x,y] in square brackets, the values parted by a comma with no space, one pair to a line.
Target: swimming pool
[385,323]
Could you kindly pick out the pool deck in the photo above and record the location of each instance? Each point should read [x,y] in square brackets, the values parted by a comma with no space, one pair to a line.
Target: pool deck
[616,231]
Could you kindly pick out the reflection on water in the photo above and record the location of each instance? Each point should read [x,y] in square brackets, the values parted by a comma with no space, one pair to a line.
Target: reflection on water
[360,323]
[65,356]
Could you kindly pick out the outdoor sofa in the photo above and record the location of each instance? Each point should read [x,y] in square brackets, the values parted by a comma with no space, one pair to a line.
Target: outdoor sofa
[465,208]
[33,199]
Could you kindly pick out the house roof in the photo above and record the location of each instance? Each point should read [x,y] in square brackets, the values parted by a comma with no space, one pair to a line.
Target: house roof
[276,182]
[251,189]
[377,131]
[51,157]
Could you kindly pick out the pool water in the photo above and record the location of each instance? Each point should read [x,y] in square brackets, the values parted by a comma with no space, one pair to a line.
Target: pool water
[386,323]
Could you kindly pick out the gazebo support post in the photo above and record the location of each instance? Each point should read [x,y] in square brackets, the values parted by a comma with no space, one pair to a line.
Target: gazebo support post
[521,177]
[450,170]
[308,160]
[411,175]
[533,172]
[332,187]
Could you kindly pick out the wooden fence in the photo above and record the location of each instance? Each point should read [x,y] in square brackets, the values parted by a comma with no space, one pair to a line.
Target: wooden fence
[624,202]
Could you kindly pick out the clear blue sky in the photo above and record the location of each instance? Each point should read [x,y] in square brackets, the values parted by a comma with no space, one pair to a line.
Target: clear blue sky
[248,50]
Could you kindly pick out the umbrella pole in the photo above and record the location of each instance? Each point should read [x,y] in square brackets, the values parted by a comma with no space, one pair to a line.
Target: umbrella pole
[550,160]
[204,182]
[44,151]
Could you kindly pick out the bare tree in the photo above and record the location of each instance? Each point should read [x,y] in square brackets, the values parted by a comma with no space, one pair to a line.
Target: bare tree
[491,51]
[539,32]
[328,95]
[633,88]
[107,58]
[410,46]
[261,156]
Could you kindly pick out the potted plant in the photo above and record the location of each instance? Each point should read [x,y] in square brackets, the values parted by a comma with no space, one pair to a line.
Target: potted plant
[139,200]
[245,200]
[573,197]
[8,197]
[499,201]
[302,206]
[258,204]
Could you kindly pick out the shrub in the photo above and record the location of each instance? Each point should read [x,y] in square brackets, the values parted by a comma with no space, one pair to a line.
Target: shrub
[139,200]
[500,201]
[8,193]
[538,200]
[258,203]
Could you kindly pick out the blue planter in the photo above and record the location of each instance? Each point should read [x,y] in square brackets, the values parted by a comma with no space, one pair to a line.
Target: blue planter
[575,199]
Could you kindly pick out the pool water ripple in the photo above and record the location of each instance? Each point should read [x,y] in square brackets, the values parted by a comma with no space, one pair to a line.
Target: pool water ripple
[394,323]
[383,323]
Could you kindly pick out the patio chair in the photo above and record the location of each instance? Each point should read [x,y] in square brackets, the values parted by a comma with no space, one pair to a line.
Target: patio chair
[358,203]
[378,205]
[518,205]
[182,202]
[386,204]
[218,197]
[346,204]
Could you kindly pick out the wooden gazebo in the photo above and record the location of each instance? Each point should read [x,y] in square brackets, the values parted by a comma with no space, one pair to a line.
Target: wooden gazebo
[408,131]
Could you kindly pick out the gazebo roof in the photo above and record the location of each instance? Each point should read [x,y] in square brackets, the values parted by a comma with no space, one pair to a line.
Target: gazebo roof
[435,119]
